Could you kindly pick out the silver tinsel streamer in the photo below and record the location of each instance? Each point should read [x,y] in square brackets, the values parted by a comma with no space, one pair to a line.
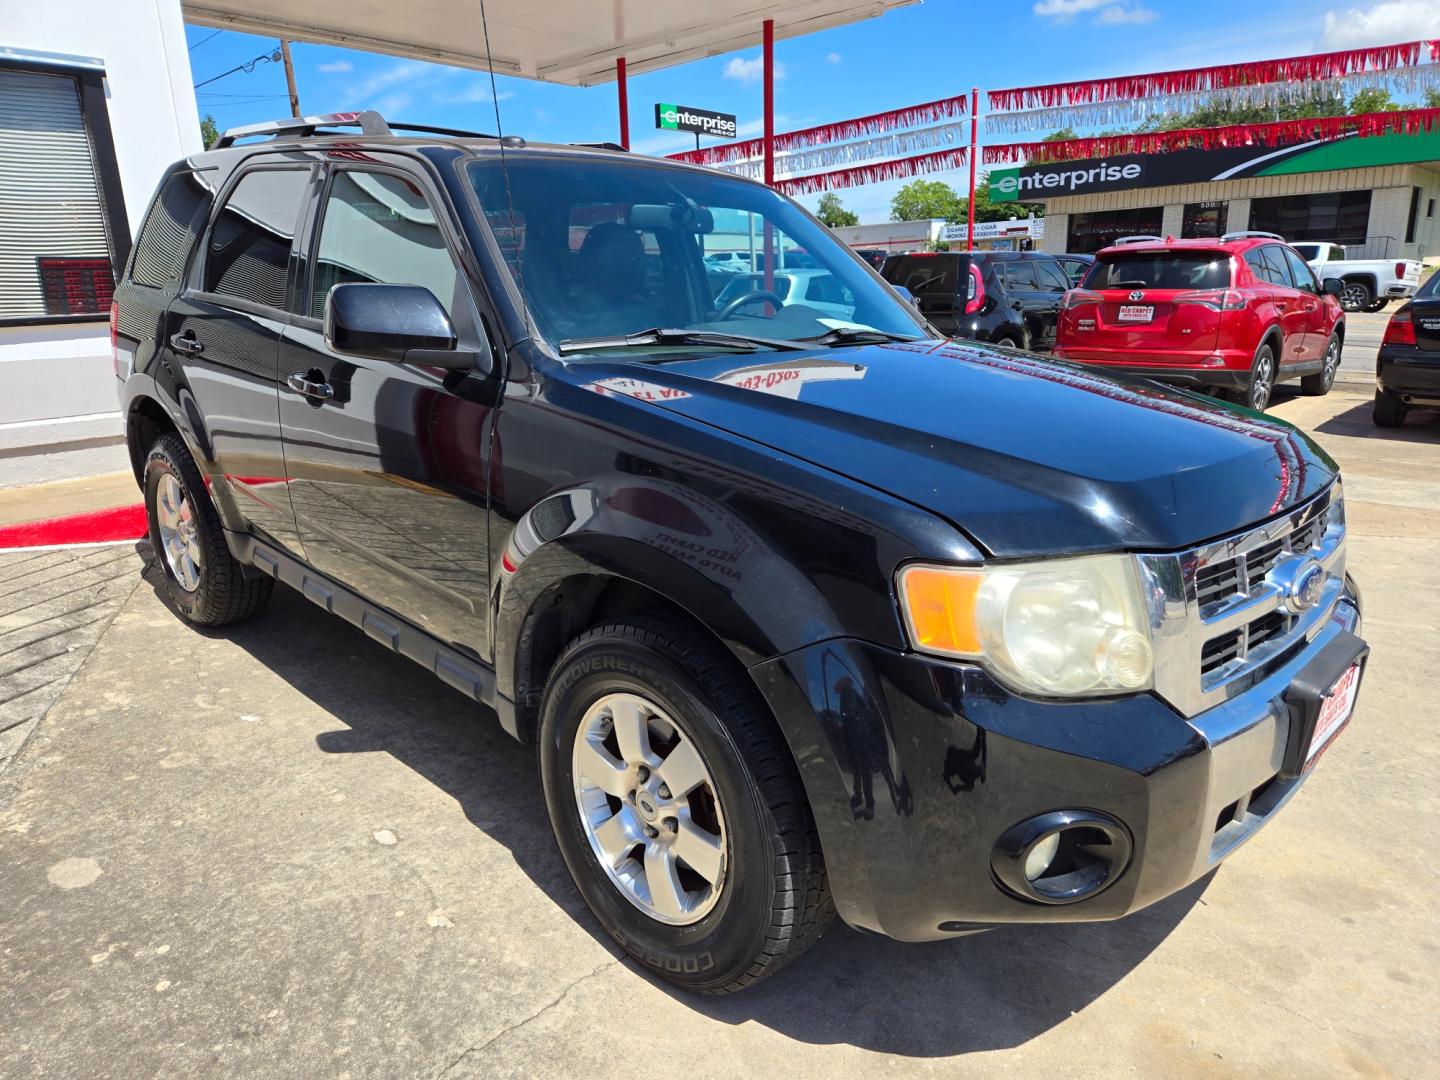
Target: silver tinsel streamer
[1410,80]
[838,155]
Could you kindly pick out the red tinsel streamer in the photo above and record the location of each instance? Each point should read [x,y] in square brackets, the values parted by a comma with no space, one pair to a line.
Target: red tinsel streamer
[1331,65]
[1284,133]
[839,131]
[870,174]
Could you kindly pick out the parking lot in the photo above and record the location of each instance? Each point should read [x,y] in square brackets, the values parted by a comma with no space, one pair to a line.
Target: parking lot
[281,850]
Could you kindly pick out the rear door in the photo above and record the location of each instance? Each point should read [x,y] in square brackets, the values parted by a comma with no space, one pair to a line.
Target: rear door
[1269,262]
[1153,304]
[223,331]
[387,462]
[1312,306]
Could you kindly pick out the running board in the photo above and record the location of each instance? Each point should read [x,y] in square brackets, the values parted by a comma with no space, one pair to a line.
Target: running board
[450,665]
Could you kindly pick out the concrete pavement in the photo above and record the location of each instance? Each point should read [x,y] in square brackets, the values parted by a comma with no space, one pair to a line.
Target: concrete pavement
[281,850]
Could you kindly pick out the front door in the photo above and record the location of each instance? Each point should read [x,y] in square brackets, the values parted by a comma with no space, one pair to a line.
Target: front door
[1038,305]
[223,333]
[1289,302]
[387,461]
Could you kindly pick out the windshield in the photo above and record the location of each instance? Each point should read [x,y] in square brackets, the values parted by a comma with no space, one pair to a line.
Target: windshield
[607,248]
[1160,270]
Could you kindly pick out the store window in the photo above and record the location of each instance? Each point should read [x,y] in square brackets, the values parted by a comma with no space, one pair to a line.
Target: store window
[1091,232]
[1341,216]
[60,236]
[1204,220]
[1414,213]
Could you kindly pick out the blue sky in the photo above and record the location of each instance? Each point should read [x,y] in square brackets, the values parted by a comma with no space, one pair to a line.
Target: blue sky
[931,50]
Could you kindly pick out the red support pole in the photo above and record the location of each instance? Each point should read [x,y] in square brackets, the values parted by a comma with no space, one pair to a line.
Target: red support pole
[974,153]
[769,70]
[624,102]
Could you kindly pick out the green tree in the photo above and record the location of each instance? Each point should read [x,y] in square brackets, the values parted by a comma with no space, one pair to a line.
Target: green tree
[921,199]
[1373,100]
[208,131]
[1432,99]
[985,210]
[832,213]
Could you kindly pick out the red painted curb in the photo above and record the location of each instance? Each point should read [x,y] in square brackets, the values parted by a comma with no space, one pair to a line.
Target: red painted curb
[95,527]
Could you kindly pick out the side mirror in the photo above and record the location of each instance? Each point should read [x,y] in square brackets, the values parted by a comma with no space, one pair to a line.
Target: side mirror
[907,295]
[1332,286]
[401,324]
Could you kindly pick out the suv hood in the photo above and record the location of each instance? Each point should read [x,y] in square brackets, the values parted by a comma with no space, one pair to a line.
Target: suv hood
[1028,456]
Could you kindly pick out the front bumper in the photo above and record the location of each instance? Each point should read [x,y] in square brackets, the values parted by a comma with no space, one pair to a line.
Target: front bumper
[915,767]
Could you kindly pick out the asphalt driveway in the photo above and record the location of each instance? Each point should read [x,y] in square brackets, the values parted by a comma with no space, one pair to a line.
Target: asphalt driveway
[284,851]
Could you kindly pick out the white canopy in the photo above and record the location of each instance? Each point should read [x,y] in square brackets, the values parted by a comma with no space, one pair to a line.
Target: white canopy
[575,42]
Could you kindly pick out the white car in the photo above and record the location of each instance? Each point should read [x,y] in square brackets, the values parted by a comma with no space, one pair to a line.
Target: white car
[818,289]
[729,261]
[1369,283]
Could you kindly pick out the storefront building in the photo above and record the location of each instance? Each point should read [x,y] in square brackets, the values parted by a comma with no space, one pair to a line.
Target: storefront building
[1376,195]
[95,102]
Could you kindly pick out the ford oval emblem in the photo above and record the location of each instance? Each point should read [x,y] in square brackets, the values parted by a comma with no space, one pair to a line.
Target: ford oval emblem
[1137,295]
[1306,587]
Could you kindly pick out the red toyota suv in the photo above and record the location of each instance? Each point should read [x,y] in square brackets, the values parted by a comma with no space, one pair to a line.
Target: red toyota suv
[1232,316]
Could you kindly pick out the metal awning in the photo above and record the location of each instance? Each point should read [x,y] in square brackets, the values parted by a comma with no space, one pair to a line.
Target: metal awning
[574,42]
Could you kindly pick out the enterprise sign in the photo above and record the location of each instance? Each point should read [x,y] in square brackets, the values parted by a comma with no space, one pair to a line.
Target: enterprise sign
[700,121]
[1066,178]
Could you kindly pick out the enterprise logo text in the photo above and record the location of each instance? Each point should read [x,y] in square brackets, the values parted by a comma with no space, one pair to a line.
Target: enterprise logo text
[1071,178]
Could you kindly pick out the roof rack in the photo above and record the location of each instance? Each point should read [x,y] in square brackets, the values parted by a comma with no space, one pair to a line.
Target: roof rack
[1136,240]
[369,122]
[1252,234]
[602,146]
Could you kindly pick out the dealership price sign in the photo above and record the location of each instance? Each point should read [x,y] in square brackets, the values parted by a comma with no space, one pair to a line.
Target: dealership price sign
[700,121]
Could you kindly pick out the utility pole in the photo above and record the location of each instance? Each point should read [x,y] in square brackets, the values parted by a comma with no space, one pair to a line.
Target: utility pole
[290,77]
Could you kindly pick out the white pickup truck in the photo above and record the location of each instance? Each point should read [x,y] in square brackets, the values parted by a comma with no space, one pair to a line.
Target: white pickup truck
[1369,283]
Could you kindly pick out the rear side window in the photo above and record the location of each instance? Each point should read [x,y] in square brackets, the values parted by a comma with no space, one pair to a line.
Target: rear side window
[1268,264]
[1050,275]
[249,246]
[1160,270]
[180,209]
[378,228]
[1019,275]
[925,275]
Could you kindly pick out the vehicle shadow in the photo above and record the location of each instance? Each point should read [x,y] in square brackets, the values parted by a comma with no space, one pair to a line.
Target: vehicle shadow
[1419,426]
[990,991]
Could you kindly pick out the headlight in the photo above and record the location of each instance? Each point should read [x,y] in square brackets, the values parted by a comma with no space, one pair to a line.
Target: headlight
[1062,628]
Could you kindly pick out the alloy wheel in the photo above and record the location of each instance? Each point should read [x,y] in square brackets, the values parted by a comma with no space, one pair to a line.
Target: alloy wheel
[649,808]
[1332,362]
[1262,381]
[178,534]
[1354,296]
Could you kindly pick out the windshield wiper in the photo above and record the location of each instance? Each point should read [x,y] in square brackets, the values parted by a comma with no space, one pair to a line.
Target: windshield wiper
[661,336]
[849,335]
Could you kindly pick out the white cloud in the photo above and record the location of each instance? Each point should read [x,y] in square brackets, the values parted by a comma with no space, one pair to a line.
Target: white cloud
[407,71]
[1381,24]
[750,71]
[337,67]
[1107,12]
[1115,15]
[477,93]
[393,106]
[833,58]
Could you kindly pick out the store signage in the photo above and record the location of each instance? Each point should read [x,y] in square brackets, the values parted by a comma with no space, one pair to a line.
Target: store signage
[700,121]
[1034,183]
[1034,228]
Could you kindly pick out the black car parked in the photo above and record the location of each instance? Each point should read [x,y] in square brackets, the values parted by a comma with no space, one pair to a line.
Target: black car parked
[1006,297]
[1075,266]
[803,613]
[1407,368]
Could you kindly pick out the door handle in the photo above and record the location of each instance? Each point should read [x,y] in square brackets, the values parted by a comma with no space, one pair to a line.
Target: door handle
[186,342]
[1280,304]
[320,391]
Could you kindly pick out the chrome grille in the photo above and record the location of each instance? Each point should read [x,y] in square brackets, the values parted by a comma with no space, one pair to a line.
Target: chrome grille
[1219,611]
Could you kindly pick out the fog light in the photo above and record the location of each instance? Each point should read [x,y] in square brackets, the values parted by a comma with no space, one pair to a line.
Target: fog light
[1041,856]
[1061,857]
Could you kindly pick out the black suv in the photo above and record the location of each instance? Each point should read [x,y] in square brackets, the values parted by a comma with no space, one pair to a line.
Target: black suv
[805,612]
[1407,367]
[1008,298]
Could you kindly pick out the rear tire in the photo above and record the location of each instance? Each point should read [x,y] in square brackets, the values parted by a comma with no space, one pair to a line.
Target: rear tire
[1259,388]
[1319,384]
[1356,296]
[203,579]
[1389,410]
[1007,342]
[758,904]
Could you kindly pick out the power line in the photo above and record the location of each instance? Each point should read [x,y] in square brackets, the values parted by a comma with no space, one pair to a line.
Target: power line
[207,37]
[247,67]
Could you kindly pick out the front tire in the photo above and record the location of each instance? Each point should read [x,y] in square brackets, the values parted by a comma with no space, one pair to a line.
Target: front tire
[677,808]
[1389,410]
[1356,296]
[1319,384]
[202,578]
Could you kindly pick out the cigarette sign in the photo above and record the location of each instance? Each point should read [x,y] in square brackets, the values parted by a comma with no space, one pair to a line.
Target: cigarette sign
[700,121]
